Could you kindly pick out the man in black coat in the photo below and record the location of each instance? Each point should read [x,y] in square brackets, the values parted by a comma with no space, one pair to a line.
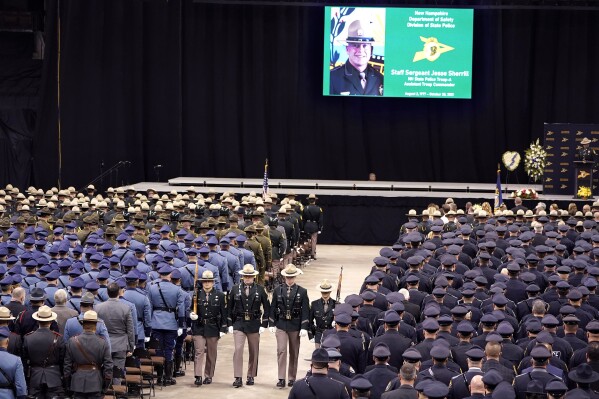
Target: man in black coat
[541,356]
[247,318]
[321,313]
[460,384]
[209,324]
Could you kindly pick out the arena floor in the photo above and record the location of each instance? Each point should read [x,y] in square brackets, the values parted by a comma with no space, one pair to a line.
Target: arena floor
[356,261]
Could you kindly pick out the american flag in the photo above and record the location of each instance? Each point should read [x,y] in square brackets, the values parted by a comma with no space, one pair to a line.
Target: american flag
[265,181]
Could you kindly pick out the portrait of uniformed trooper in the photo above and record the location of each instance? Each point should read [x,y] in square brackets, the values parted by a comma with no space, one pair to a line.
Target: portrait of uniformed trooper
[356,76]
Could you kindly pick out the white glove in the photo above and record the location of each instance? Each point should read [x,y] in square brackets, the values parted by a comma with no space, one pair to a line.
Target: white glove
[319,232]
[193,316]
[260,330]
[147,339]
[333,323]
[179,332]
[312,340]
[272,329]
[231,330]
[303,333]
[222,334]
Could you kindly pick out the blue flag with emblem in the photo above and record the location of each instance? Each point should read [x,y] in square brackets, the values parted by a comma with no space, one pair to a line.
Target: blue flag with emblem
[498,195]
[265,181]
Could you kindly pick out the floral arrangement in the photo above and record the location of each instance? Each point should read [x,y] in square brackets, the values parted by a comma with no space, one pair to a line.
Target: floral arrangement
[525,193]
[511,160]
[584,192]
[535,159]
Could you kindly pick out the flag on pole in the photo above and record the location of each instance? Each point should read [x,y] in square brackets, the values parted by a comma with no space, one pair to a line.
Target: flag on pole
[498,194]
[265,181]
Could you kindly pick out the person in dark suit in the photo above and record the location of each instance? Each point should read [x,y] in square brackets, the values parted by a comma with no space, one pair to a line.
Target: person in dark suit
[88,364]
[356,76]
[407,378]
[43,352]
[247,318]
[208,325]
[12,379]
[317,384]
[289,321]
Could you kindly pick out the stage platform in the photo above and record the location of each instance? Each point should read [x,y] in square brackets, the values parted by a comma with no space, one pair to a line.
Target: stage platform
[361,212]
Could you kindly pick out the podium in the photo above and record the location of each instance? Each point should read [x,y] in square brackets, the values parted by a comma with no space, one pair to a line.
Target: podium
[583,176]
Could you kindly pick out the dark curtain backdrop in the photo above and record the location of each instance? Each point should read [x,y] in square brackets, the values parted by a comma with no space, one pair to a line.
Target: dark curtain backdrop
[212,90]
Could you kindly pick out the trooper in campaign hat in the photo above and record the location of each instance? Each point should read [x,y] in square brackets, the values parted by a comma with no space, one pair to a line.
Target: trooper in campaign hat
[356,76]
[321,312]
[86,378]
[248,311]
[289,320]
[209,323]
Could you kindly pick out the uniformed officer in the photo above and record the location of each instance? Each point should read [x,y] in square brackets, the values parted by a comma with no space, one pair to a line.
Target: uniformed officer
[356,76]
[460,385]
[360,387]
[406,380]
[43,352]
[12,376]
[321,312]
[168,318]
[335,368]
[380,375]
[247,318]
[73,325]
[289,321]
[88,365]
[540,355]
[317,384]
[142,305]
[208,325]
[313,222]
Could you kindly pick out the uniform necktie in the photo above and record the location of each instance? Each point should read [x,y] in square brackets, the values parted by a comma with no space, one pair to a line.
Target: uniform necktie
[247,290]
[326,306]
[288,290]
[363,79]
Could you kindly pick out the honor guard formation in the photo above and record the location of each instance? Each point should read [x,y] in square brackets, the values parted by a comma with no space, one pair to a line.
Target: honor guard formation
[109,294]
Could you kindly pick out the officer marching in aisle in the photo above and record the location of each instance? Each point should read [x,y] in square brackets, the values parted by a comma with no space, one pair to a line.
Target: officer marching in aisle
[313,222]
[209,323]
[248,317]
[289,321]
[321,313]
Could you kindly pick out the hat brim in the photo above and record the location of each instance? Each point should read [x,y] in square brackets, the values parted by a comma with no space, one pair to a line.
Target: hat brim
[324,290]
[52,317]
[297,273]
[7,318]
[574,377]
[206,279]
[253,274]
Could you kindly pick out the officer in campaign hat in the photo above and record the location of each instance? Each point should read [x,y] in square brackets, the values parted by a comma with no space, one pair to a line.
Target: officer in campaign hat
[356,76]
[88,364]
[289,321]
[248,311]
[321,312]
[43,352]
[25,323]
[208,325]
[73,325]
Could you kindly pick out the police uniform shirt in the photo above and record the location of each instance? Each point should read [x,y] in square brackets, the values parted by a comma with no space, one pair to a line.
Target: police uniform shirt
[397,345]
[318,386]
[346,79]
[168,305]
[459,388]
[12,366]
[379,376]
[44,352]
[321,320]
[290,308]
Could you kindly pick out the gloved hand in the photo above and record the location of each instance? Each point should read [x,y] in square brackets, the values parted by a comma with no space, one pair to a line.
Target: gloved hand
[221,334]
[312,340]
[179,332]
[333,323]
[272,329]
[260,330]
[231,330]
[319,232]
[193,316]
[147,339]
[303,333]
